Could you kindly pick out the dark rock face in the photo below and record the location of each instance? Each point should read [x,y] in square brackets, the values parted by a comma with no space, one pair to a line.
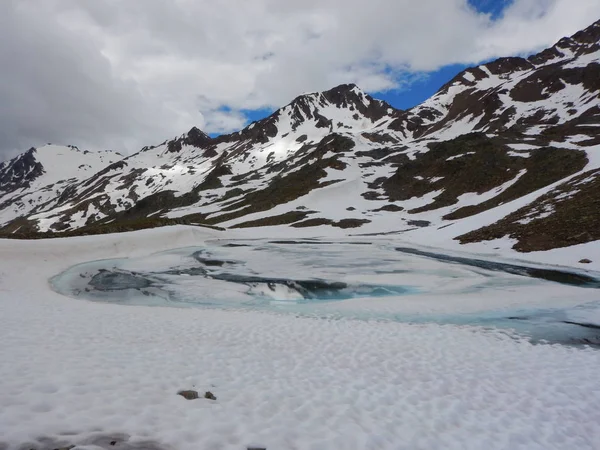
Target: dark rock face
[197,138]
[259,133]
[504,66]
[346,96]
[551,79]
[194,137]
[18,173]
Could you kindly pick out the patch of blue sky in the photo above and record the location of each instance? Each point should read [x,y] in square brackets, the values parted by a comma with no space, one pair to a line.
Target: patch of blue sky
[415,88]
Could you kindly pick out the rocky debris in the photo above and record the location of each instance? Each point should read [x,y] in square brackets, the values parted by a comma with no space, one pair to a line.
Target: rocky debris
[189,394]
[193,395]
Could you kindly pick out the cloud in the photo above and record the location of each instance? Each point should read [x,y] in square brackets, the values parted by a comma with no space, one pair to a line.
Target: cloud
[121,75]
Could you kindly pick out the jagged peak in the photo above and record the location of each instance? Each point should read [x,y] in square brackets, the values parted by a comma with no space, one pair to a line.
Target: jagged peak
[589,35]
[195,133]
[582,42]
[342,96]
[319,108]
[588,38]
[20,170]
[28,155]
[194,137]
[346,89]
[350,97]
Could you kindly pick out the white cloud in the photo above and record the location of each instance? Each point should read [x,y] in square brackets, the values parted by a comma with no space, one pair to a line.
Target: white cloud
[126,74]
[530,25]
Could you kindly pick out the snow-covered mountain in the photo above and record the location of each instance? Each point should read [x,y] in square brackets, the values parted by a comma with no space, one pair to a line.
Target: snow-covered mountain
[506,150]
[37,179]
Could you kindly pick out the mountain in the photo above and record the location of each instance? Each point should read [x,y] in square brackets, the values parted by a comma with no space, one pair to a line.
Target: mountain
[37,179]
[508,150]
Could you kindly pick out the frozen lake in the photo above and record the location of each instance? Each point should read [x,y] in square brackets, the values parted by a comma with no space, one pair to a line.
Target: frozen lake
[353,280]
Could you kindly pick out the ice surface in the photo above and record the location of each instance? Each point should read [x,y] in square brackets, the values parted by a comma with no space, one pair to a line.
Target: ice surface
[77,372]
[312,277]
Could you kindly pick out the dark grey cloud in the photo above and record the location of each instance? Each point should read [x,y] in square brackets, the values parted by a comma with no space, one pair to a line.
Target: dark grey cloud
[56,85]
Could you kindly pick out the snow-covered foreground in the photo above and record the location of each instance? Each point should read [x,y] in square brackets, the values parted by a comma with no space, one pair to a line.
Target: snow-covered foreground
[73,369]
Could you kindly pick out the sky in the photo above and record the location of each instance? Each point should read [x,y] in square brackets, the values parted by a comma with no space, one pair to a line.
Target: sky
[122,75]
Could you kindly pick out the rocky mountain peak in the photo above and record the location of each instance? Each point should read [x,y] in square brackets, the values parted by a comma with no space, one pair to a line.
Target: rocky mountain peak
[344,106]
[194,138]
[345,96]
[589,37]
[341,96]
[583,42]
[197,138]
[20,171]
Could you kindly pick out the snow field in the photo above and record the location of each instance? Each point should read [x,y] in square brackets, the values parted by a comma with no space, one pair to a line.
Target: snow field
[281,382]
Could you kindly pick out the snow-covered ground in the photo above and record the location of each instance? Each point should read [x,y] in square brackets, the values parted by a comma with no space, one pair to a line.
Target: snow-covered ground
[73,370]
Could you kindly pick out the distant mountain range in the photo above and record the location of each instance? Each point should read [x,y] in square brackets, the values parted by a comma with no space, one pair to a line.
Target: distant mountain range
[506,150]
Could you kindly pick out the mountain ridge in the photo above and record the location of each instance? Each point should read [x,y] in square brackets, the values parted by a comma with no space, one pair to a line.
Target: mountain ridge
[494,136]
